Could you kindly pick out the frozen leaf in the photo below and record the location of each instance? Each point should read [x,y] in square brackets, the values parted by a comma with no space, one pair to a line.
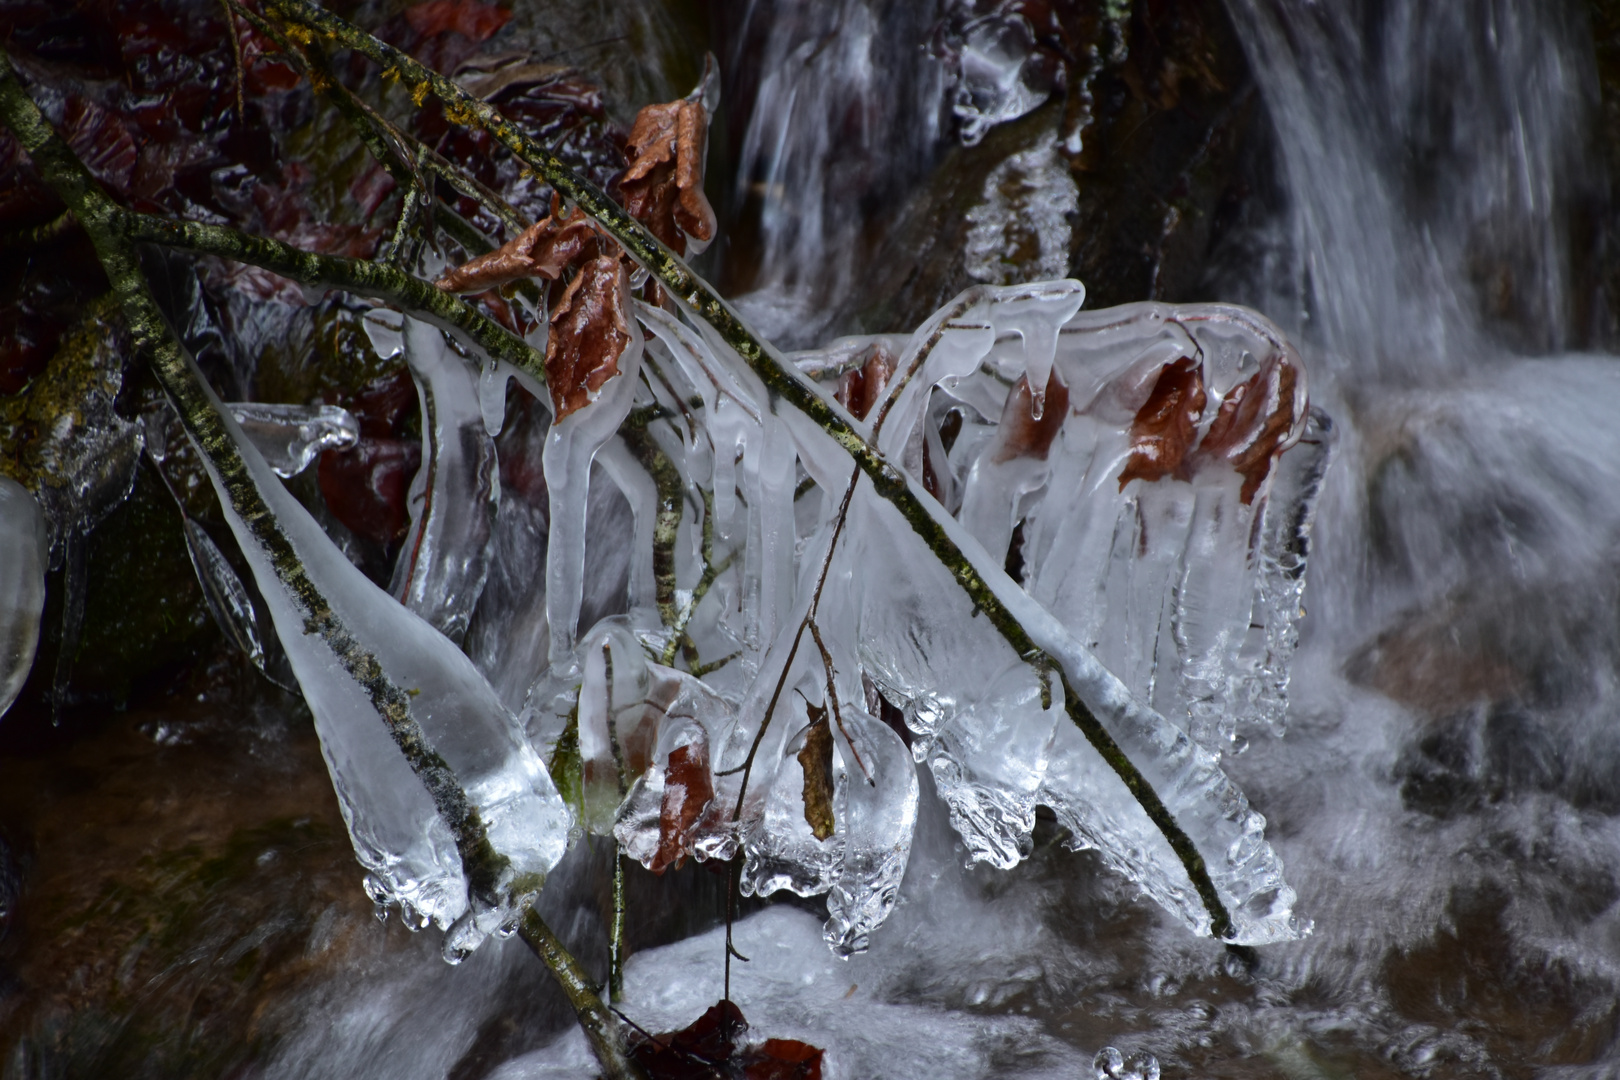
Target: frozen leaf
[102,141]
[1257,421]
[542,250]
[468,18]
[817,762]
[1021,433]
[663,188]
[589,332]
[1165,426]
[861,388]
[688,789]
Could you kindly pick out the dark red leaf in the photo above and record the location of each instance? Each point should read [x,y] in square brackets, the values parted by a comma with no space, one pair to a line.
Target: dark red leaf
[468,18]
[1164,427]
[102,141]
[688,790]
[366,486]
[712,1047]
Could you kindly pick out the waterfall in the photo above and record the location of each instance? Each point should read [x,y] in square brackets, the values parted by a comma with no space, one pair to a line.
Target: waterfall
[1435,159]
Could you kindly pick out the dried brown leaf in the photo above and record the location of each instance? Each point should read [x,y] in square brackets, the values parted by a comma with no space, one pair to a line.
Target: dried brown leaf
[589,332]
[663,187]
[1255,421]
[688,790]
[1020,434]
[1165,425]
[542,250]
[816,759]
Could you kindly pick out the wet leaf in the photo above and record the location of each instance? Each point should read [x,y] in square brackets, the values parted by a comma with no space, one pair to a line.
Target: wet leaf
[688,790]
[1164,427]
[1255,421]
[589,333]
[663,188]
[816,759]
[102,141]
[1020,434]
[861,388]
[542,250]
[468,18]
[713,1047]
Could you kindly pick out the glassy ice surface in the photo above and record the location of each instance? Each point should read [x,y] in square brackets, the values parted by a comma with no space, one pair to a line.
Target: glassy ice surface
[24,558]
[456,494]
[289,437]
[227,598]
[397,832]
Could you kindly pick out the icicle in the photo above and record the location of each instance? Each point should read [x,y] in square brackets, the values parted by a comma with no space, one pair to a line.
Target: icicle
[876,816]
[642,495]
[227,598]
[571,445]
[291,436]
[455,494]
[24,554]
[398,834]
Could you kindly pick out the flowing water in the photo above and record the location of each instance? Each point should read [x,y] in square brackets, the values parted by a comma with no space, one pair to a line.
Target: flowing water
[1444,795]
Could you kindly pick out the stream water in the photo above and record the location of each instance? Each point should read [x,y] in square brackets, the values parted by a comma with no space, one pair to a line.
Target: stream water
[1446,795]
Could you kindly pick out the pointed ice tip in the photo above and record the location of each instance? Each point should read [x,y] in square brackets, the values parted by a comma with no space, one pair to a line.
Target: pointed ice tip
[1037,404]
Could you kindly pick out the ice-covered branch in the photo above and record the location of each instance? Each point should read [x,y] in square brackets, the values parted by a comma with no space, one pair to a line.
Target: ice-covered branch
[249,492]
[1017,619]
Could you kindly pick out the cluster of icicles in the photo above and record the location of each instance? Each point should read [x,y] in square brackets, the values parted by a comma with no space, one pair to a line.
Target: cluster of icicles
[1146,472]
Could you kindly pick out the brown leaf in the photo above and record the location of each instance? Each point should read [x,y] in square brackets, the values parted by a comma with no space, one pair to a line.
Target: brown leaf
[1255,421]
[816,759]
[861,388]
[542,250]
[1020,434]
[688,790]
[781,1059]
[663,187]
[1165,425]
[589,332]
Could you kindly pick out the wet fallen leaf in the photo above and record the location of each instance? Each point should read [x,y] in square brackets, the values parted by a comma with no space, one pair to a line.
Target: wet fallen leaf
[816,759]
[688,790]
[663,188]
[712,1046]
[589,333]
[1020,434]
[1163,430]
[468,18]
[1255,421]
[542,250]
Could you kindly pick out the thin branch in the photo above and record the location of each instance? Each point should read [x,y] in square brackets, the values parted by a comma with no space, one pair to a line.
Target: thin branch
[596,1018]
[782,382]
[671,495]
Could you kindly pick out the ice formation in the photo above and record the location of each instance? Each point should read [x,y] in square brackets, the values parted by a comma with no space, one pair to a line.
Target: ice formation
[24,555]
[456,493]
[227,598]
[398,834]
[291,436]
